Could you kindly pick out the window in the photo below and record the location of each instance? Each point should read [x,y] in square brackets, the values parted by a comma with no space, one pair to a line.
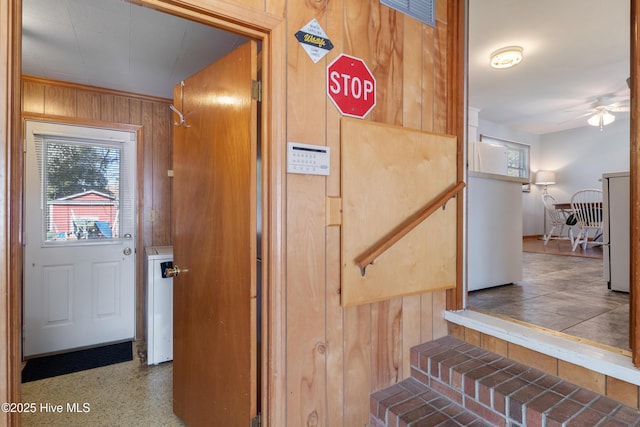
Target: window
[517,156]
[81,188]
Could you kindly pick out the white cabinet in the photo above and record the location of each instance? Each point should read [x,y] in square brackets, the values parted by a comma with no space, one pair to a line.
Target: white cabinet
[159,304]
[494,230]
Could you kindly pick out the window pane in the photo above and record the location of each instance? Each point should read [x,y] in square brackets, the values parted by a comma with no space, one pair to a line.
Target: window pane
[81,191]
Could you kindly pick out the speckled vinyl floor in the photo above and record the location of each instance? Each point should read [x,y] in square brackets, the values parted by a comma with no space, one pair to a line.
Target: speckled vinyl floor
[563,293]
[126,394]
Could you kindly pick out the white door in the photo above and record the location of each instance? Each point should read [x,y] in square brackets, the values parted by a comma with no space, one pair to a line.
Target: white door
[79,271]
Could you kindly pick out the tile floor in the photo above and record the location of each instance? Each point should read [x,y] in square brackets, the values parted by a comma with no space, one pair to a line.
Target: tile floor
[562,293]
[126,394]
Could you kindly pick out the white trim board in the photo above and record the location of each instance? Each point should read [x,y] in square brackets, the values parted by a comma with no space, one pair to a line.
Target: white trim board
[597,359]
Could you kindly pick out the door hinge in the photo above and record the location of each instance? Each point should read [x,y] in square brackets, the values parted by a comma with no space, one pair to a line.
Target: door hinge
[256,421]
[256,90]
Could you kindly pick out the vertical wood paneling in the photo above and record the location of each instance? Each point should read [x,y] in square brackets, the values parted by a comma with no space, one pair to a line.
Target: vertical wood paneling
[33,97]
[336,373]
[88,105]
[388,55]
[357,364]
[439,325]
[306,262]
[148,215]
[276,7]
[121,110]
[59,101]
[426,317]
[440,78]
[386,340]
[106,108]
[161,161]
[428,77]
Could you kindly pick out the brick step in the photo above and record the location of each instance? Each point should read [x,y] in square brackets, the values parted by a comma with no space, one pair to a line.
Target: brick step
[455,383]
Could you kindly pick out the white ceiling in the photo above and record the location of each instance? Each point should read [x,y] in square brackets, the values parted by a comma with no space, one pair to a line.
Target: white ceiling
[116,45]
[574,52]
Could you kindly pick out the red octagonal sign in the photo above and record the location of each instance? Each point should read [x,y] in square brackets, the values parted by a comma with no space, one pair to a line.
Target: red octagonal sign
[351,86]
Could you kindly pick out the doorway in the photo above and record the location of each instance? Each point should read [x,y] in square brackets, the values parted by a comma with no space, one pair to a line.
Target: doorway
[258,25]
[79,267]
[559,158]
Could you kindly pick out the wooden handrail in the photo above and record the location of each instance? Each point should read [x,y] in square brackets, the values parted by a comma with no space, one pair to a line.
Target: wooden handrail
[405,227]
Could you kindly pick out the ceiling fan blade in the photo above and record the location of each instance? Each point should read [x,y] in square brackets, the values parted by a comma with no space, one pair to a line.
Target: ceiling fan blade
[590,113]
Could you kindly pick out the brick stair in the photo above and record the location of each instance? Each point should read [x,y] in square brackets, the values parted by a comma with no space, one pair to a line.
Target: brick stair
[454,383]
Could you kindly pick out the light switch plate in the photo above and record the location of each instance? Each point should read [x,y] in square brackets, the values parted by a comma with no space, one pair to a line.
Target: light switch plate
[308,159]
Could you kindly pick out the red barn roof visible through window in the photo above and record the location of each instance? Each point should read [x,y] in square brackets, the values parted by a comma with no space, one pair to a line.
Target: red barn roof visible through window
[90,214]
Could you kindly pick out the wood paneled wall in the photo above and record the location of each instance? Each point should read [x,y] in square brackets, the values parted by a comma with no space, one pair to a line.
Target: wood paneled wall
[79,104]
[337,356]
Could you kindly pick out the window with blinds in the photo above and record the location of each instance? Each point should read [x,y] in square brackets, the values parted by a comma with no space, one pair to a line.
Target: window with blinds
[422,10]
[82,184]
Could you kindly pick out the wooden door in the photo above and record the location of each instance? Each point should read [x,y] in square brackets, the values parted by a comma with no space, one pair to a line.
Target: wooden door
[214,216]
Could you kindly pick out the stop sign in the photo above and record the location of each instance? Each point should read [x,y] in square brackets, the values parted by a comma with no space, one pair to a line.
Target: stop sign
[351,86]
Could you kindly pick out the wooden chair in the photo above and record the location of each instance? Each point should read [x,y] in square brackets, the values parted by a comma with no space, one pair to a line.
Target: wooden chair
[557,219]
[587,208]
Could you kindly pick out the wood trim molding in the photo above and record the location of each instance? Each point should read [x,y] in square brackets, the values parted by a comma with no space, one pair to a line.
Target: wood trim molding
[272,32]
[11,206]
[229,16]
[96,89]
[456,116]
[634,319]
[82,122]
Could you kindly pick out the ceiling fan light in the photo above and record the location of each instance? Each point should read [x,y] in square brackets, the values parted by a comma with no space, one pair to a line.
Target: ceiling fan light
[506,57]
[608,118]
[601,119]
[594,120]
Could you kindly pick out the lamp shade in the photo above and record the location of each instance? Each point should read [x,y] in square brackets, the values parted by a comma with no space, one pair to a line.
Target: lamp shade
[545,178]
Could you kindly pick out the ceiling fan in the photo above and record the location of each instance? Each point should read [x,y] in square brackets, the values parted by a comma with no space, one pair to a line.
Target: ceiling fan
[602,114]
[600,111]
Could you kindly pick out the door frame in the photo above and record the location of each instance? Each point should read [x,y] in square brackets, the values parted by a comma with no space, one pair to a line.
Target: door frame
[459,65]
[138,254]
[259,25]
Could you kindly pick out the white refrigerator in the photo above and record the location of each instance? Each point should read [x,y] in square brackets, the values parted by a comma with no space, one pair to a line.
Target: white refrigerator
[616,228]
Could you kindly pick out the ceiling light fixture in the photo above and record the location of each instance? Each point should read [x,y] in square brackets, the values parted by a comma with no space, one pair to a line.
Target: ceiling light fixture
[506,57]
[601,118]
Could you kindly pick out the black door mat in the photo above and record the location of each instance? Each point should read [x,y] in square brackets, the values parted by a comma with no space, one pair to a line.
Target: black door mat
[66,363]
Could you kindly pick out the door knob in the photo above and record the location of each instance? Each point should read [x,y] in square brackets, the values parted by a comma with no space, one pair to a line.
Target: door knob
[175,271]
[127,251]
